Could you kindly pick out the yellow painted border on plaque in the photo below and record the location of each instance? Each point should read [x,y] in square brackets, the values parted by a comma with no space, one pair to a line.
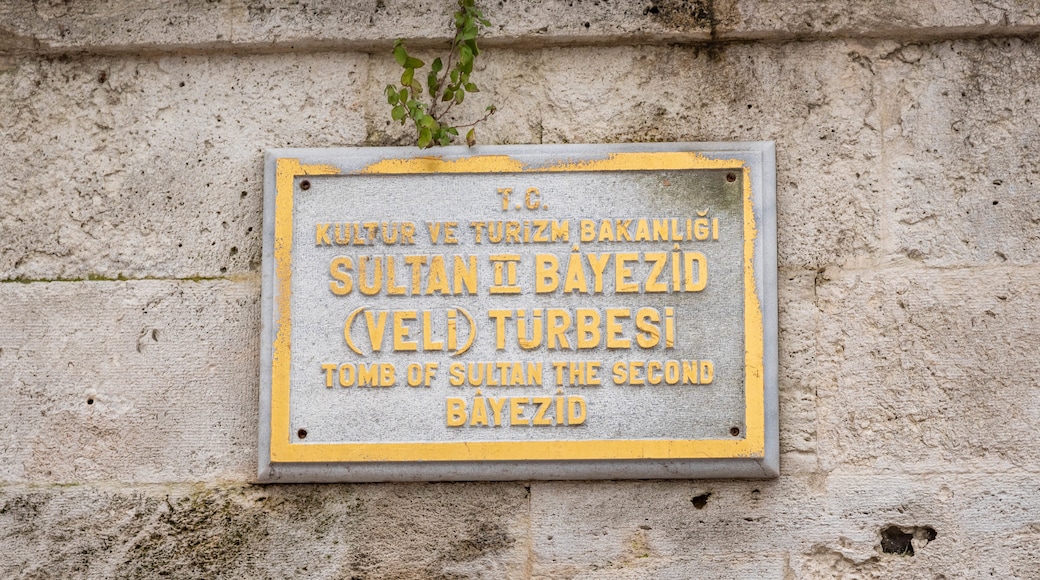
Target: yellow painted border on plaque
[751,445]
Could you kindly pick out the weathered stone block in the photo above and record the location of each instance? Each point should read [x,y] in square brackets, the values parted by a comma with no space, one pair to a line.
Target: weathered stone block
[960,123]
[798,379]
[136,26]
[765,19]
[329,531]
[152,167]
[129,381]
[792,527]
[929,370]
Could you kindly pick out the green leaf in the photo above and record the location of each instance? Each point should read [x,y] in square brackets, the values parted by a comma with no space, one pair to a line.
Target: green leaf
[431,80]
[454,76]
[459,96]
[392,98]
[398,113]
[465,54]
[403,95]
[448,94]
[453,131]
[400,54]
[471,137]
[444,140]
[427,121]
[416,88]
[472,88]
[413,63]
[406,76]
[425,137]
[437,65]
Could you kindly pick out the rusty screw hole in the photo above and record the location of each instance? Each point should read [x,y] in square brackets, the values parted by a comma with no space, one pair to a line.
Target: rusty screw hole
[302,433]
[734,431]
[305,185]
[731,177]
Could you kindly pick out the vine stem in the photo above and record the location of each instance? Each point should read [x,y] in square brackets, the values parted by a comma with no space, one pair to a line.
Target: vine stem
[480,120]
[434,98]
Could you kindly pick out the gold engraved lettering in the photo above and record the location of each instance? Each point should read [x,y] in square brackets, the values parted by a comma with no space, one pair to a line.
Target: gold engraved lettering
[668,372]
[516,411]
[543,406]
[504,192]
[659,259]
[504,271]
[321,235]
[339,269]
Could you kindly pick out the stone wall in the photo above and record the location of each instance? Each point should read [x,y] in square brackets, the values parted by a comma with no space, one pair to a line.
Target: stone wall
[907,141]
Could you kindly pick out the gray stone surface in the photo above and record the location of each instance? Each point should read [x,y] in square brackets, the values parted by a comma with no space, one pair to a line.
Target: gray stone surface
[152,167]
[286,25]
[961,152]
[908,344]
[137,381]
[814,527]
[979,525]
[929,370]
[230,531]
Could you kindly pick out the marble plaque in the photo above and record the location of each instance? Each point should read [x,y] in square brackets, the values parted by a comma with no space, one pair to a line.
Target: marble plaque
[519,312]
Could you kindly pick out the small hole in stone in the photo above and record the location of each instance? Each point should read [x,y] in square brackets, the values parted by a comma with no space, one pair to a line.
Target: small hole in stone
[244,194]
[182,83]
[730,177]
[234,250]
[701,500]
[995,202]
[734,431]
[102,77]
[587,25]
[90,401]
[896,541]
[223,270]
[302,433]
[305,185]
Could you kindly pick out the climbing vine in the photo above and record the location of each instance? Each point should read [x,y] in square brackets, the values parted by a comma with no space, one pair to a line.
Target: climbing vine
[427,106]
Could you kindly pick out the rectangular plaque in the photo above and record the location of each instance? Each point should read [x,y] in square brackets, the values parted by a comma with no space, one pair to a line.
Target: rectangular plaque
[519,312]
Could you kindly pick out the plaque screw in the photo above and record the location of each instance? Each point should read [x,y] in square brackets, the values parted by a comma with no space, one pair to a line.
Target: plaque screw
[734,431]
[306,184]
[730,177]
[302,433]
